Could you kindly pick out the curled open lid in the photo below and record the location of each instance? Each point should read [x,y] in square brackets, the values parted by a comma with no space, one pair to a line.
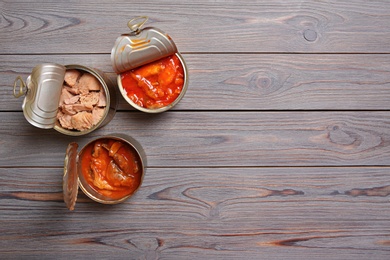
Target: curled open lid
[42,91]
[70,178]
[140,46]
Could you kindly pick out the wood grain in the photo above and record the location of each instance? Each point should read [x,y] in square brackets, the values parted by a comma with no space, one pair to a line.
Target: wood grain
[192,213]
[247,81]
[199,26]
[279,149]
[197,139]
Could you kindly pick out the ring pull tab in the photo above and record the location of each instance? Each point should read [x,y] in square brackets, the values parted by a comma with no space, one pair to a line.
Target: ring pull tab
[22,87]
[136,26]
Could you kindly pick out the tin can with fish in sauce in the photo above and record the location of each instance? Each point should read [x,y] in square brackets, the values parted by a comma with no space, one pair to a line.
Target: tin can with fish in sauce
[73,99]
[152,74]
[109,169]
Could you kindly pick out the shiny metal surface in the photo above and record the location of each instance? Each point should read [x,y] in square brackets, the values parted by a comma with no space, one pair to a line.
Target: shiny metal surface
[111,98]
[42,94]
[42,91]
[140,47]
[70,179]
[75,169]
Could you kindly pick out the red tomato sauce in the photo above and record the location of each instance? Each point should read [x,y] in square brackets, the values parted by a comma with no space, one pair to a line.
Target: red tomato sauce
[156,84]
[112,168]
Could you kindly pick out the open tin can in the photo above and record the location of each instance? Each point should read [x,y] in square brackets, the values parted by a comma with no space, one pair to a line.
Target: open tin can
[51,103]
[109,169]
[152,74]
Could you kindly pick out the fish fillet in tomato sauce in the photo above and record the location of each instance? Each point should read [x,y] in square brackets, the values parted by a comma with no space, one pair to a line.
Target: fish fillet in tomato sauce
[156,84]
[111,167]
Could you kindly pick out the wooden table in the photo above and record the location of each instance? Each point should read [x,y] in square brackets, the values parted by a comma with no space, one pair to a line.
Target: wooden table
[279,149]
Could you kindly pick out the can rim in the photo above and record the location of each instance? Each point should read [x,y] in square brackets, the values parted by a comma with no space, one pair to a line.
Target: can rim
[161,109]
[62,130]
[141,155]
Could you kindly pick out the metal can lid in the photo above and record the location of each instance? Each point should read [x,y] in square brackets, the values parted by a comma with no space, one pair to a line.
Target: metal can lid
[70,183]
[141,46]
[42,94]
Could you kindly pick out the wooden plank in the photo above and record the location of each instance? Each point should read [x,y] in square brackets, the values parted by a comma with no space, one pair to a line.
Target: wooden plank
[203,213]
[234,26]
[250,82]
[210,139]
[280,148]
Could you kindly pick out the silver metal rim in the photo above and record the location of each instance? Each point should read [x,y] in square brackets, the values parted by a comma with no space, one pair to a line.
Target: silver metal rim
[58,128]
[137,148]
[161,109]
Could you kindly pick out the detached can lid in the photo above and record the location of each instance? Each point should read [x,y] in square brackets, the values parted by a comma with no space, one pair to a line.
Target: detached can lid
[42,92]
[70,185]
[141,46]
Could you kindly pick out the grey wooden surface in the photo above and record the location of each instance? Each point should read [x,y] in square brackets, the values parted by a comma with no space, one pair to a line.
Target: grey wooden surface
[279,149]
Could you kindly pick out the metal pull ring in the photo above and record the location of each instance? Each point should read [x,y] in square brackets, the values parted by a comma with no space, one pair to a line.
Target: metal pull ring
[135,24]
[22,87]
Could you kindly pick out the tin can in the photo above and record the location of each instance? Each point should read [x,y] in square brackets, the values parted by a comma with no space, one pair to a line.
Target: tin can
[42,91]
[75,176]
[140,47]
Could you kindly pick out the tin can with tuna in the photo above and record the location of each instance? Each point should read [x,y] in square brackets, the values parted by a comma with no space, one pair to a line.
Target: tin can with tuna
[152,74]
[73,99]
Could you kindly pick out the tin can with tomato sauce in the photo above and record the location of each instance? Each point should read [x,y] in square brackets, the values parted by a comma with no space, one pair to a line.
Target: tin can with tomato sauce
[152,74]
[72,99]
[109,169]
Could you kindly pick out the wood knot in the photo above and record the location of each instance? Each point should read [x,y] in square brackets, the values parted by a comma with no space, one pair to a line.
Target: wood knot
[262,82]
[383,191]
[340,136]
[146,244]
[310,35]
